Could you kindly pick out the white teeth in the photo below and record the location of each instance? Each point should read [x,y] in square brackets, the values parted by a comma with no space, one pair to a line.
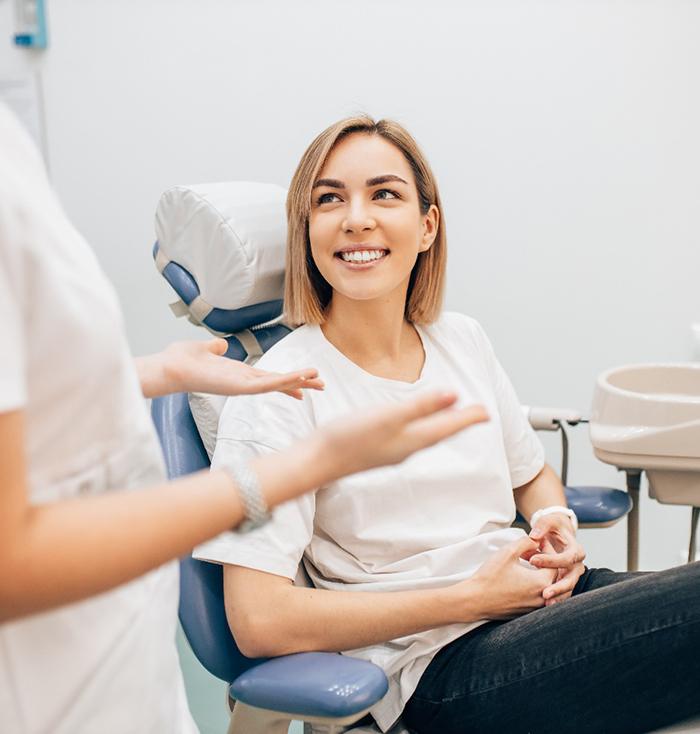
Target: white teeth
[362,255]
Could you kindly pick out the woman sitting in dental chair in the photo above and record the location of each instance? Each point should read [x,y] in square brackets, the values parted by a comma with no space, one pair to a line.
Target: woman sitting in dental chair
[416,567]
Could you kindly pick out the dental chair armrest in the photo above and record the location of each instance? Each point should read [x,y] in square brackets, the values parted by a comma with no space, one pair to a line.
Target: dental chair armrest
[548,419]
[312,685]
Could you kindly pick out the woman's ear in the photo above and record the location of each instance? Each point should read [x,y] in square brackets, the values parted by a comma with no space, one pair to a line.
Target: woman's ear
[431,221]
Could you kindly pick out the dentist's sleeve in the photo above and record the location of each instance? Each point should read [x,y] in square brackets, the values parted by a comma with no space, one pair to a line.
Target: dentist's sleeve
[12,318]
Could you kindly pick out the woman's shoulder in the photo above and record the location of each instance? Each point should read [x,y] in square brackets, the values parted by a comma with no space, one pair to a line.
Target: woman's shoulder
[260,417]
[453,324]
[294,351]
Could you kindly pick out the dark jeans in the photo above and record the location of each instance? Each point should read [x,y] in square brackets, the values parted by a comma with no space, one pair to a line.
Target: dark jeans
[621,655]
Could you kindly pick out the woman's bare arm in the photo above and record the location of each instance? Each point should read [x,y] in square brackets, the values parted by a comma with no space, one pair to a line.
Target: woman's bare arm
[543,490]
[269,616]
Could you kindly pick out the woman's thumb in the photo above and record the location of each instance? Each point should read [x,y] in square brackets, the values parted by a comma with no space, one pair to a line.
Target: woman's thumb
[524,546]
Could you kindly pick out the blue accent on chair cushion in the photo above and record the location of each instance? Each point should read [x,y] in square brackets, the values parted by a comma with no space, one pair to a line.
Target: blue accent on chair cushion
[312,684]
[266,338]
[183,450]
[203,618]
[595,505]
[226,321]
[201,611]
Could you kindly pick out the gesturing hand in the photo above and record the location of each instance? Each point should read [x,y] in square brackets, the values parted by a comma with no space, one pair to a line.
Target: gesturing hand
[558,549]
[389,434]
[199,366]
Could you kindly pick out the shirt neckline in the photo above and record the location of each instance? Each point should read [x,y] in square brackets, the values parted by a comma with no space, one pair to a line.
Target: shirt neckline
[386,381]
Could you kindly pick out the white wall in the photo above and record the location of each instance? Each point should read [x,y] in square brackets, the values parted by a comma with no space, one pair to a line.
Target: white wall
[564,136]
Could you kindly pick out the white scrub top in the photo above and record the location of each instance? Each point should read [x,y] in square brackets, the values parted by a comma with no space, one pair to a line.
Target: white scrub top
[107,665]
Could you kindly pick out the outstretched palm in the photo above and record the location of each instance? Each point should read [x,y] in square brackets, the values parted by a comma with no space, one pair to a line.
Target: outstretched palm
[195,366]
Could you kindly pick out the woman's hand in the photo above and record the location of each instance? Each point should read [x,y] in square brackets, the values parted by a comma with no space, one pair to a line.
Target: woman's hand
[557,549]
[506,586]
[199,366]
[389,434]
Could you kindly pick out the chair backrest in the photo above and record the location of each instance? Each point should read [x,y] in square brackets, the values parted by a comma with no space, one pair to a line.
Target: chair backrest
[201,608]
[221,248]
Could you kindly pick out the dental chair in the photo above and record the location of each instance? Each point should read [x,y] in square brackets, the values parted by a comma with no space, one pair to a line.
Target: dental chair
[221,248]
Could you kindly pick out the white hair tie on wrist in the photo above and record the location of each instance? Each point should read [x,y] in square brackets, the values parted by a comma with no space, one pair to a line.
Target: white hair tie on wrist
[550,510]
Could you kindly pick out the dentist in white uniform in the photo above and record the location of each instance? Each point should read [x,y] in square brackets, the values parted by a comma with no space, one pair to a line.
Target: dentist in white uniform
[89,527]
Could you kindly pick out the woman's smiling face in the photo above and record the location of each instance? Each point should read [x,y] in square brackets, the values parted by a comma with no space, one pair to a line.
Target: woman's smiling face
[366,228]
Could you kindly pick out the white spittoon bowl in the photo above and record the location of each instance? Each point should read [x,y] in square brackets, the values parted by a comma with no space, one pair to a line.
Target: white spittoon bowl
[647,416]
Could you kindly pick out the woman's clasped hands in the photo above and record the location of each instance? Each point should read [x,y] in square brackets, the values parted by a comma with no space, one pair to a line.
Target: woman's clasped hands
[535,571]
[505,586]
[559,550]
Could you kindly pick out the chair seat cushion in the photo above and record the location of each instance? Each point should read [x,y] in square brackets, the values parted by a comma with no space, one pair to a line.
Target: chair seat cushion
[312,684]
[596,505]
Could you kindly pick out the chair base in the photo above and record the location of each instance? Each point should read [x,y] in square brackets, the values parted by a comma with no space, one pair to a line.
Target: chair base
[247,719]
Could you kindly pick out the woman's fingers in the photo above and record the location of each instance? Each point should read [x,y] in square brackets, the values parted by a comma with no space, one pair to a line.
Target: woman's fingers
[522,547]
[544,546]
[563,587]
[564,559]
[567,553]
[572,554]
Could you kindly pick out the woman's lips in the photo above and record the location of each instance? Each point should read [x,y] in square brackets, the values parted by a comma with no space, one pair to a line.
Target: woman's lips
[362,258]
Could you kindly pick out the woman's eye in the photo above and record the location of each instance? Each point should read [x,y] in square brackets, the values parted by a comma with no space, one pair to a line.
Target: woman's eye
[323,199]
[392,194]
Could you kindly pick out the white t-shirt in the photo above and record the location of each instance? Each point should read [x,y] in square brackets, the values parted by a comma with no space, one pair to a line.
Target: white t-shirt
[107,665]
[429,522]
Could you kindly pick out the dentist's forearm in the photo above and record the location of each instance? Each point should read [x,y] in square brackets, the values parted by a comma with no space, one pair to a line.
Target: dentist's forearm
[60,552]
[153,375]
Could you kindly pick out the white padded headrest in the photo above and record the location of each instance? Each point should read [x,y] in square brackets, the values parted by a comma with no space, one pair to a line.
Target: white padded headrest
[229,236]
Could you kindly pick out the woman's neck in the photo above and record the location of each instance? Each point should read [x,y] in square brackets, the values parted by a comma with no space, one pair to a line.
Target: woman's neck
[376,336]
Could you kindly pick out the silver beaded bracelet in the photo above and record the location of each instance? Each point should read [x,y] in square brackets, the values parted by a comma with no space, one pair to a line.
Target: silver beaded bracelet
[255,508]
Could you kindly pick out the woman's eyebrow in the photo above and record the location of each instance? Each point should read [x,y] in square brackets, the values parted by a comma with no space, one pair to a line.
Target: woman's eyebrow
[335,184]
[383,179]
[332,182]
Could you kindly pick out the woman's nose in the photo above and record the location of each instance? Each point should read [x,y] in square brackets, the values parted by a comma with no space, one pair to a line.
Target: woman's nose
[358,218]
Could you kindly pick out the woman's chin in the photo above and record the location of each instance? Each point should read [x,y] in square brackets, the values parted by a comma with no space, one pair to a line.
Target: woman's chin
[364,292]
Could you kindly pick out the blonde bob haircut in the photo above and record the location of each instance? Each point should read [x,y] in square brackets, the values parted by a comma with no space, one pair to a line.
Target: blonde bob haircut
[307,293]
